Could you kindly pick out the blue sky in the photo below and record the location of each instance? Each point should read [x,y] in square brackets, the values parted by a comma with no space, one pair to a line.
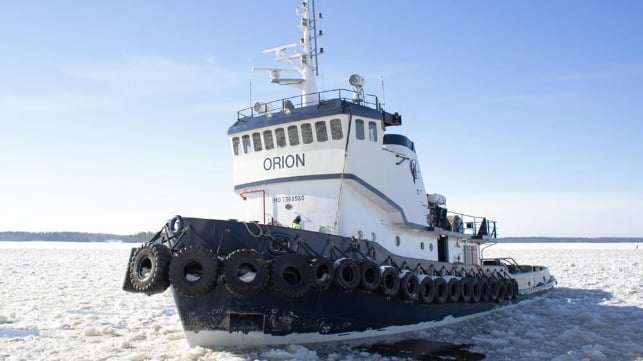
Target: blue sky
[113,115]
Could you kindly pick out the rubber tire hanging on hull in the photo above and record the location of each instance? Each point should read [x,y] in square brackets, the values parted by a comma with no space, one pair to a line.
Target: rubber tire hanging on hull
[454,289]
[426,294]
[409,286]
[514,283]
[502,291]
[197,262]
[476,290]
[466,289]
[494,288]
[390,281]
[370,275]
[347,275]
[290,275]
[509,288]
[148,269]
[323,272]
[441,290]
[485,294]
[246,273]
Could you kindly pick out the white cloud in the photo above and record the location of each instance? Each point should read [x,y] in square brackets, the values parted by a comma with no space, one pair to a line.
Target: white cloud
[544,98]
[54,102]
[135,76]
[226,108]
[608,72]
[154,74]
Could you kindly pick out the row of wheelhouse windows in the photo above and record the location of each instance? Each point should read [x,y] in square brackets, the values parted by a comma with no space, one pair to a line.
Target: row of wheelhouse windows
[268,140]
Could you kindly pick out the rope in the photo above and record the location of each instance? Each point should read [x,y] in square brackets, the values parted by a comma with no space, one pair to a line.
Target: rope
[258,235]
[341,179]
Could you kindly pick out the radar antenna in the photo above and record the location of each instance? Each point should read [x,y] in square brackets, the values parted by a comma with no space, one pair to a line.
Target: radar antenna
[305,61]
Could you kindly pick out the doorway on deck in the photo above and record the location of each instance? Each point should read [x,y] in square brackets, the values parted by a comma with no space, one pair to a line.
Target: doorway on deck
[443,248]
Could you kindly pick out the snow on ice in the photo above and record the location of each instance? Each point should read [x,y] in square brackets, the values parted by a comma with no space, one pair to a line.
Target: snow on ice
[63,301]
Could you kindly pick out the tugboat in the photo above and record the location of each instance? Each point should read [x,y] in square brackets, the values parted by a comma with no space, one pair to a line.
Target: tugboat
[341,241]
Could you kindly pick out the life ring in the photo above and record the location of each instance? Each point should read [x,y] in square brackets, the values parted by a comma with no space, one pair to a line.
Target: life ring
[246,273]
[466,289]
[494,288]
[509,289]
[485,290]
[323,272]
[409,286]
[194,271]
[426,293]
[516,288]
[148,270]
[290,275]
[454,288]
[441,290]
[347,274]
[370,275]
[502,291]
[476,290]
[390,281]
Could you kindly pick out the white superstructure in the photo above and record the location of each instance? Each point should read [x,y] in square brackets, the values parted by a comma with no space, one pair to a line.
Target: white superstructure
[329,158]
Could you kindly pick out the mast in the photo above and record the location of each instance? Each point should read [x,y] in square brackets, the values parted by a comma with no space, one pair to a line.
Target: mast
[305,61]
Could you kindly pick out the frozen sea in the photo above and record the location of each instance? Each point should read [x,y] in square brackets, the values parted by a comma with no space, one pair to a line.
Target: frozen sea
[63,301]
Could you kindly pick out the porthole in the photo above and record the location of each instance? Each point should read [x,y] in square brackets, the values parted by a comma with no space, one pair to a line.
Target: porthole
[430,246]
[421,245]
[397,241]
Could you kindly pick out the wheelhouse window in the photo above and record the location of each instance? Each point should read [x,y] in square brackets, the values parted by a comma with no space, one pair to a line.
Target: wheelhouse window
[280,134]
[372,131]
[336,129]
[247,147]
[256,141]
[293,135]
[306,133]
[322,133]
[267,139]
[236,145]
[359,129]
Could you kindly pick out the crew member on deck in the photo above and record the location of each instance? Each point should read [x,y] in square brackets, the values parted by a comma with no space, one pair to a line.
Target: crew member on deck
[296,223]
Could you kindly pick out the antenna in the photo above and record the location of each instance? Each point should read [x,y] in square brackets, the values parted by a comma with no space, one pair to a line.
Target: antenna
[304,61]
[315,35]
[383,96]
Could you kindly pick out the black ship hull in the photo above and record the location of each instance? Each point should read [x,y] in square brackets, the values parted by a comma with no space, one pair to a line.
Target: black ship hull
[309,310]
[219,319]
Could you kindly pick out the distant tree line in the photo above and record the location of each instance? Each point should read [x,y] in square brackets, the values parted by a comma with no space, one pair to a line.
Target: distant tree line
[568,239]
[74,237]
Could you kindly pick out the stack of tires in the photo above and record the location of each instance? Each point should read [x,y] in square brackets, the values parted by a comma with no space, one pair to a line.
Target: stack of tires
[195,271]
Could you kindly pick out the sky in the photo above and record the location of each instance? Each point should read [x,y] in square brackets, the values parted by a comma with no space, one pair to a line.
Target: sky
[114,115]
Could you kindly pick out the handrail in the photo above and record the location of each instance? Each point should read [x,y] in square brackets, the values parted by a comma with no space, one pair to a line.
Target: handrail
[288,105]
[472,225]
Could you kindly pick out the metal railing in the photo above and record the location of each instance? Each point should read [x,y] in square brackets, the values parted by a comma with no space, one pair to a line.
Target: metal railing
[471,225]
[288,105]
